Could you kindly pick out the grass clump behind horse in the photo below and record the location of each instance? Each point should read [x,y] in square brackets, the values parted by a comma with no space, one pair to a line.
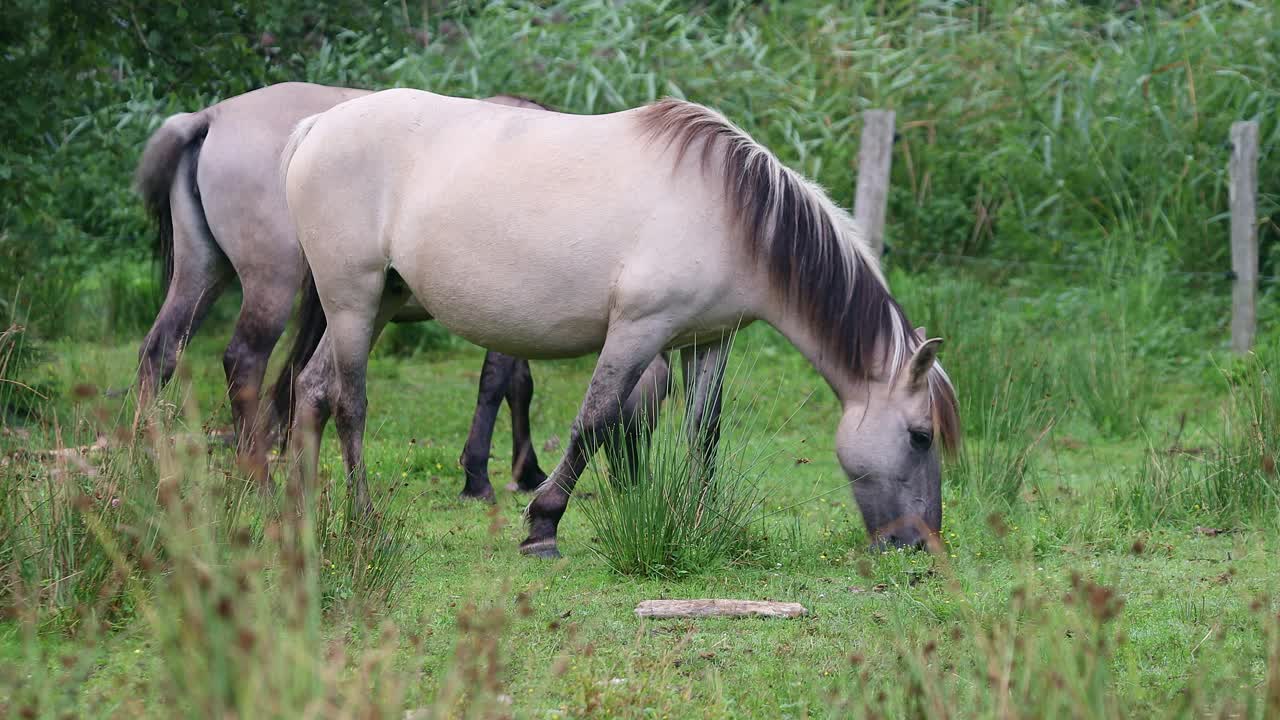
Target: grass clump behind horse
[1227,480]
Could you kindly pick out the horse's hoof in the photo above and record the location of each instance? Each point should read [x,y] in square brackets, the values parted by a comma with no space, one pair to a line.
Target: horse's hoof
[516,487]
[545,549]
[483,496]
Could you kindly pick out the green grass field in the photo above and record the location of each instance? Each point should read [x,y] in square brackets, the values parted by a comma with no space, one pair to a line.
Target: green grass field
[1065,599]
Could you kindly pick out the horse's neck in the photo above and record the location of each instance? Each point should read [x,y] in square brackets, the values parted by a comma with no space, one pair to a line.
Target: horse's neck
[799,331]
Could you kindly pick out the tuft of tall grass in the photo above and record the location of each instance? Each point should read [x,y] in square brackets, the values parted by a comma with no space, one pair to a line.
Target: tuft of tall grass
[84,530]
[998,463]
[235,592]
[1108,383]
[363,560]
[1233,480]
[661,510]
[66,523]
[18,398]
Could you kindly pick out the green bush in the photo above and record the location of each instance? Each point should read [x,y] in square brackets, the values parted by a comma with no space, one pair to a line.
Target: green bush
[1030,131]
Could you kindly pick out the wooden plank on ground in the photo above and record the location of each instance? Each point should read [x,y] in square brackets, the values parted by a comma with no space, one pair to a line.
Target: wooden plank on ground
[718,608]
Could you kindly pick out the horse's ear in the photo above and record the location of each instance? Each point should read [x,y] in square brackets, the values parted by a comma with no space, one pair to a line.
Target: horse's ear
[921,335]
[921,363]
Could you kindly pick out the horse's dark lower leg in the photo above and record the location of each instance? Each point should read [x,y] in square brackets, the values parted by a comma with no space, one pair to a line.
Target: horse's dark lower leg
[184,309]
[495,377]
[624,449]
[261,322]
[704,368]
[349,412]
[526,475]
[622,361]
[312,410]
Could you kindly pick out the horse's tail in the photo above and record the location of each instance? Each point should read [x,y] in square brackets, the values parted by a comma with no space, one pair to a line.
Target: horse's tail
[311,327]
[295,139]
[157,173]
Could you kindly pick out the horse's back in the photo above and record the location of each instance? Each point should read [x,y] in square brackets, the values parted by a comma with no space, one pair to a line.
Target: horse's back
[517,229]
[238,170]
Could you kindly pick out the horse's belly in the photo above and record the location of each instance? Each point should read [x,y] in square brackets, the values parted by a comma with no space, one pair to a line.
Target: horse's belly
[527,334]
[510,301]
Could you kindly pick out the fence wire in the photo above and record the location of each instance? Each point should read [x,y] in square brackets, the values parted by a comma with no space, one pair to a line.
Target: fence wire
[890,251]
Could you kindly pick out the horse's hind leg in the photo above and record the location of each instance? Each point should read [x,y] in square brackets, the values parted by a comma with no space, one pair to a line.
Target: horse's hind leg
[200,273]
[704,368]
[627,352]
[263,315]
[495,380]
[526,475]
[312,409]
[188,301]
[353,326]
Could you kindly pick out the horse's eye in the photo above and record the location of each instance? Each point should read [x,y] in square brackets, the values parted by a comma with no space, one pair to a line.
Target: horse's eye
[921,440]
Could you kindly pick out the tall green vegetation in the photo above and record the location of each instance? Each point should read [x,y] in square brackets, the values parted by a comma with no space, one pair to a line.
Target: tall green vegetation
[1084,133]
[1231,478]
[232,594]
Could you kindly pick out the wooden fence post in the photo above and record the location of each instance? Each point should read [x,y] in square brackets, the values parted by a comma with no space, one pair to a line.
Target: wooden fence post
[875,154]
[1244,234]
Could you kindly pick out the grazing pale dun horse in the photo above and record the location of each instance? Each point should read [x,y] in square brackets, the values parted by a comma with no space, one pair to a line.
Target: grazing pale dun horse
[660,227]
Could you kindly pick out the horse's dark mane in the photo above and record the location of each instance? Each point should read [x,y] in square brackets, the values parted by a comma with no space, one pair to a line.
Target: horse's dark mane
[815,258]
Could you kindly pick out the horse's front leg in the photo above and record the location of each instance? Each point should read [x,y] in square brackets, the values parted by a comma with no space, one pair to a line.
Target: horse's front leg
[639,418]
[627,352]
